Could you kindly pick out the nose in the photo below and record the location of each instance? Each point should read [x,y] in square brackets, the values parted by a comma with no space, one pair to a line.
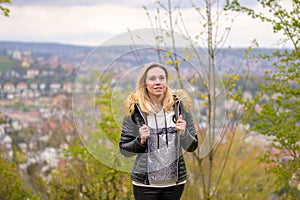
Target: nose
[157,82]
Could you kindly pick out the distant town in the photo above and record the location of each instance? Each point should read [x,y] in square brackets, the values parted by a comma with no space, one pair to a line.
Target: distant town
[36,85]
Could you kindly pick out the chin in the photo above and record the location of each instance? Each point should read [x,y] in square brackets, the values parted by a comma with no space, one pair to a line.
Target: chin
[159,94]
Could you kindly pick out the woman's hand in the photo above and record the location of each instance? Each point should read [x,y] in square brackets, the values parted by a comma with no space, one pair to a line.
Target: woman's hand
[180,125]
[144,133]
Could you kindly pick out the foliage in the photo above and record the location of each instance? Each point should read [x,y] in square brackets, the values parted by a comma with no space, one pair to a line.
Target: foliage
[6,64]
[275,110]
[85,177]
[3,9]
[243,178]
[11,183]
[283,20]
[1,120]
[83,174]
[107,123]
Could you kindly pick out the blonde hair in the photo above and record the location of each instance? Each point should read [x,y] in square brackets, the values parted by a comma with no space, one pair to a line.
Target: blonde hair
[141,93]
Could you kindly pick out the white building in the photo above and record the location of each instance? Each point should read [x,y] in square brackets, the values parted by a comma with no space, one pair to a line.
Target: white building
[6,141]
[68,87]
[31,73]
[9,87]
[43,86]
[33,86]
[55,87]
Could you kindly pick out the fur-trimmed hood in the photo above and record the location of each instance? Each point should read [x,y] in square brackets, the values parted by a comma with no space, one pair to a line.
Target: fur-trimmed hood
[179,96]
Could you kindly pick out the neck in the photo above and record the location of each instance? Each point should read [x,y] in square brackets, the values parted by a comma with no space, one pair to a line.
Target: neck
[156,100]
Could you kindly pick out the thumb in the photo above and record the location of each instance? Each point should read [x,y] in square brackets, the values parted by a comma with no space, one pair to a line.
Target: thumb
[180,117]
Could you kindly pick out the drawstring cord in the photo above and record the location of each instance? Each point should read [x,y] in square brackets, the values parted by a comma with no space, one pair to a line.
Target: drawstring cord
[156,131]
[166,129]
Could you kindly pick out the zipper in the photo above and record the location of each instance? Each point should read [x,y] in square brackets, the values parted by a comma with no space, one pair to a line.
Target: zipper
[178,145]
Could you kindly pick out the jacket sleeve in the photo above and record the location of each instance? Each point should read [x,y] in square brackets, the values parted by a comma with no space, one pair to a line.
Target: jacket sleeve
[189,141]
[130,141]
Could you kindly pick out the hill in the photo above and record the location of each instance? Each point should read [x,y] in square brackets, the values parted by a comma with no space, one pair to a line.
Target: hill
[42,47]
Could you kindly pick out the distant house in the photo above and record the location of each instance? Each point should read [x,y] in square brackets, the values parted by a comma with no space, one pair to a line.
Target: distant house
[68,87]
[22,86]
[33,86]
[16,125]
[16,55]
[6,141]
[44,73]
[23,147]
[78,87]
[43,86]
[10,96]
[9,87]
[25,62]
[37,94]
[14,73]
[49,155]
[31,73]
[55,87]
[30,94]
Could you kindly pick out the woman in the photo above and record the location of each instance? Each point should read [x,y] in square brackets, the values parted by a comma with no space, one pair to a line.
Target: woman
[156,126]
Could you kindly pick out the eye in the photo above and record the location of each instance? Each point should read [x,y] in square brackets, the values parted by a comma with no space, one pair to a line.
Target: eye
[152,78]
[162,78]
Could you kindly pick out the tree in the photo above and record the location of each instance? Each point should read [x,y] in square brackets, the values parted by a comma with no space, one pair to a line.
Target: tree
[244,176]
[84,173]
[210,86]
[85,177]
[12,184]
[3,9]
[12,187]
[275,110]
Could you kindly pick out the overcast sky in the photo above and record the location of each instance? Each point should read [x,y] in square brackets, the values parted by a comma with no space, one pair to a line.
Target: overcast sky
[91,22]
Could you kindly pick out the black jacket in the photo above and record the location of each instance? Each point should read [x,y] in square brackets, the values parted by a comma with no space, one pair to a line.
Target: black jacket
[130,142]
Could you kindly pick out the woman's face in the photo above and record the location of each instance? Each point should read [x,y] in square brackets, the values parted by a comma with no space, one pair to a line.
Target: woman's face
[156,81]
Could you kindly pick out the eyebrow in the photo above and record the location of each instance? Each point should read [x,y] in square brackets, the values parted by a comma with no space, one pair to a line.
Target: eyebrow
[155,75]
[151,76]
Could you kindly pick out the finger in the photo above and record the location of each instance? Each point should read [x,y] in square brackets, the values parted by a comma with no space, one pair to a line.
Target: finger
[179,119]
[144,127]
